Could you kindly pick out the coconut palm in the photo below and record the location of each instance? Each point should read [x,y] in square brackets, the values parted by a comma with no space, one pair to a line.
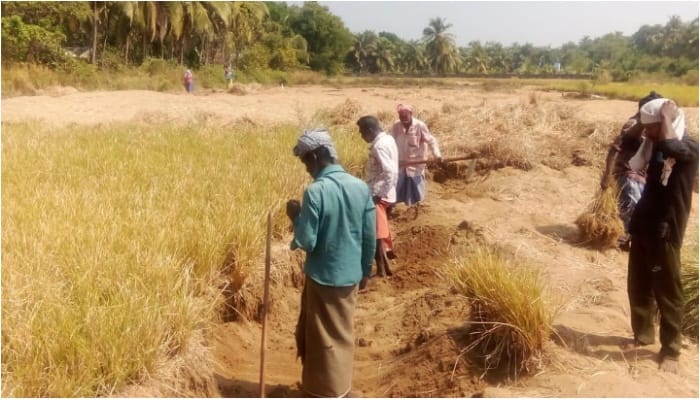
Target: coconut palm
[440,46]
[384,55]
[364,48]
[413,58]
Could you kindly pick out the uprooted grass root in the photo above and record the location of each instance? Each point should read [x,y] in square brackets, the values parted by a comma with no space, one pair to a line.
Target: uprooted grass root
[600,226]
[511,319]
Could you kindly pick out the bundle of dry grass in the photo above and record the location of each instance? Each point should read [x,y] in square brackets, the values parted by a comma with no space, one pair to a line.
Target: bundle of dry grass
[345,112]
[689,277]
[511,319]
[600,226]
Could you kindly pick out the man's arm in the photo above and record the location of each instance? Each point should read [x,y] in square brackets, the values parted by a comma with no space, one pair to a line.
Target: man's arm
[432,142]
[306,223]
[685,150]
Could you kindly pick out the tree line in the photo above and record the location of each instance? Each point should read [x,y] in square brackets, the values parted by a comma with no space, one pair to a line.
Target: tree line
[278,36]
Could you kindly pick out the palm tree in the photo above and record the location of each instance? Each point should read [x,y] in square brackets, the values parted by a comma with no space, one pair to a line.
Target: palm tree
[364,48]
[383,56]
[440,46]
[478,57]
[414,58]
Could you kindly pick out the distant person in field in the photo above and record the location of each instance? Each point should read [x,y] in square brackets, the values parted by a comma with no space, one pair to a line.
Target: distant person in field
[382,173]
[658,225]
[187,80]
[629,182]
[228,74]
[412,140]
[335,226]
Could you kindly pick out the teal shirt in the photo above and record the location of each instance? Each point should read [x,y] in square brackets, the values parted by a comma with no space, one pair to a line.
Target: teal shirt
[336,228]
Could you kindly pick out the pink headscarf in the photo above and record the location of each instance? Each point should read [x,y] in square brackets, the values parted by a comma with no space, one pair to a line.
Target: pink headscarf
[404,107]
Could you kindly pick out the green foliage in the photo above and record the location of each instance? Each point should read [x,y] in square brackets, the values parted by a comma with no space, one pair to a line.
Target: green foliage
[691,77]
[275,35]
[29,43]
[327,37]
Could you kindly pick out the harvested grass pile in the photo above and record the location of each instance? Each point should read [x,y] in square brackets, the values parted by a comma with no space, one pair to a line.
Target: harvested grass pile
[689,277]
[600,226]
[345,113]
[510,318]
[534,131]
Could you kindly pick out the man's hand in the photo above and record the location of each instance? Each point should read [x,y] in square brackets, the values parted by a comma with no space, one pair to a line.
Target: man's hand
[293,209]
[669,112]
[364,283]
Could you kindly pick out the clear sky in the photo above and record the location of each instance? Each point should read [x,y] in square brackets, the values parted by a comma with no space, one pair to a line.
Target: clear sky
[541,23]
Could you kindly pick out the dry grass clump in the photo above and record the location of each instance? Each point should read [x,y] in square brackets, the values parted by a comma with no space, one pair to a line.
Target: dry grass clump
[689,277]
[346,112]
[504,151]
[600,226]
[511,319]
[386,119]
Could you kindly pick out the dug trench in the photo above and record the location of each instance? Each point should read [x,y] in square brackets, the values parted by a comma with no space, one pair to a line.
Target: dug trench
[410,328]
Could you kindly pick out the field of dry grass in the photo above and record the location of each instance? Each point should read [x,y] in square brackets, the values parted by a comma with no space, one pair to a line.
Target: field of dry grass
[124,225]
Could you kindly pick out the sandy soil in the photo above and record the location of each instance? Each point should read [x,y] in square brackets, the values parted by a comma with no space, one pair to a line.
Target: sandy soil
[407,325]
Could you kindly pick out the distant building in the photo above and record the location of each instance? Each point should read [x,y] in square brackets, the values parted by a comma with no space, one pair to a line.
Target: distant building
[557,67]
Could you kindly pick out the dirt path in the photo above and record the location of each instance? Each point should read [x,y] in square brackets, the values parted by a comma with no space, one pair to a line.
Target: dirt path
[405,324]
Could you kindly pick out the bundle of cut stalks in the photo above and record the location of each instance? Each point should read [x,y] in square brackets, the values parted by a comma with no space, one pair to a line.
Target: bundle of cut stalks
[689,277]
[600,226]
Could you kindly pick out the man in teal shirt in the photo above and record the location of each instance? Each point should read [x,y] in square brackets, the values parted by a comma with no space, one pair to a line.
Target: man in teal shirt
[335,226]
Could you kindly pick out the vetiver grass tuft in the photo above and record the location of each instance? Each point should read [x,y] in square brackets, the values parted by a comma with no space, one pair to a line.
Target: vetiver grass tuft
[511,319]
[117,241]
[600,226]
[689,277]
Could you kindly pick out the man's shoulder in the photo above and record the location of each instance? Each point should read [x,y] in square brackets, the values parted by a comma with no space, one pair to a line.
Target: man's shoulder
[420,123]
[386,140]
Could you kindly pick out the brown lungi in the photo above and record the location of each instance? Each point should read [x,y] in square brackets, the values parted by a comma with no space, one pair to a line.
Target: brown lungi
[324,337]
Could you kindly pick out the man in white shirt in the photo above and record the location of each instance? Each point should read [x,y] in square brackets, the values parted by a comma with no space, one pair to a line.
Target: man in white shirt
[382,174]
[412,139]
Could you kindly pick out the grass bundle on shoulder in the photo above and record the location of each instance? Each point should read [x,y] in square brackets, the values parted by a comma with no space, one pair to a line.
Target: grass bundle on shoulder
[600,226]
[511,319]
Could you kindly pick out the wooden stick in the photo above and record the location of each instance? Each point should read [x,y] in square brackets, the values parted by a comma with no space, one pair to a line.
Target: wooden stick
[266,296]
[444,160]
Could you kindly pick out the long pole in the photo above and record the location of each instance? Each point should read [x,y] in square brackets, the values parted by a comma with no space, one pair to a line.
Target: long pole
[444,160]
[266,295]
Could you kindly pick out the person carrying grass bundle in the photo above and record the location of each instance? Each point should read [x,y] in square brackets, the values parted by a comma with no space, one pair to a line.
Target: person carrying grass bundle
[629,182]
[412,139]
[335,226]
[657,227]
[382,173]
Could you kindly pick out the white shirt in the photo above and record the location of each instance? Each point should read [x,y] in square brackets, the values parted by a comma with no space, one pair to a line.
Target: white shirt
[383,167]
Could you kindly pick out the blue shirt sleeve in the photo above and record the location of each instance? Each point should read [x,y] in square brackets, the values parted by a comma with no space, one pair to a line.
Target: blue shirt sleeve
[369,238]
[307,222]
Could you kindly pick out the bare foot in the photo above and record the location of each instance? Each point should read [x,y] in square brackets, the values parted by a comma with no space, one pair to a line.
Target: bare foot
[669,365]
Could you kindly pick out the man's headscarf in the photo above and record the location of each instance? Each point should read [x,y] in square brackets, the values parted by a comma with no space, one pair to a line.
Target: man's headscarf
[651,113]
[404,107]
[311,140]
[651,96]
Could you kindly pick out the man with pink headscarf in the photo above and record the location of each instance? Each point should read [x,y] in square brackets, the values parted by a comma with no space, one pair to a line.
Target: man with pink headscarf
[412,139]
[657,227]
